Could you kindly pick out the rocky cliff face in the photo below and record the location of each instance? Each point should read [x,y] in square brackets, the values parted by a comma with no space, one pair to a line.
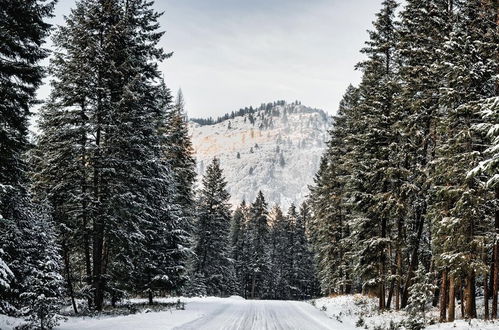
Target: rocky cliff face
[275,149]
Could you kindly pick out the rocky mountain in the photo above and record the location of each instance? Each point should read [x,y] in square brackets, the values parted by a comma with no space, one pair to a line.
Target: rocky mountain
[275,148]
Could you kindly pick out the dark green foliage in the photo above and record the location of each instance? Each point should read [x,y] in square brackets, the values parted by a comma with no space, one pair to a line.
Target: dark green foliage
[239,240]
[407,184]
[30,284]
[117,202]
[23,29]
[259,266]
[212,267]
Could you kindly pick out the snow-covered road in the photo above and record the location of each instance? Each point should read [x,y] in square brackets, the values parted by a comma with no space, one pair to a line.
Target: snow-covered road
[261,315]
[216,314]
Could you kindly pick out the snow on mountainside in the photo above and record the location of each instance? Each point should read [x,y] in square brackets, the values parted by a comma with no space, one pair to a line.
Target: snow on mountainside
[276,149]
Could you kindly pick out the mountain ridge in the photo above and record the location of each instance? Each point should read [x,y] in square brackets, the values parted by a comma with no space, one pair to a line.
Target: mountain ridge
[275,148]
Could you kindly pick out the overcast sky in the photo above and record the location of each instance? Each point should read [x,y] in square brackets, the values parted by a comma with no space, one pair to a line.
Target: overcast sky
[230,54]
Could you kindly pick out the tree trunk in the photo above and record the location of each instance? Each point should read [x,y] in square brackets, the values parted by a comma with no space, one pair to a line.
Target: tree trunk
[495,262]
[473,297]
[149,293]
[84,206]
[486,296]
[390,294]
[443,297]
[67,267]
[253,285]
[469,296]
[88,264]
[452,300]
[97,266]
[98,220]
[382,274]
[413,264]
[150,296]
[399,264]
[492,292]
[382,296]
[461,295]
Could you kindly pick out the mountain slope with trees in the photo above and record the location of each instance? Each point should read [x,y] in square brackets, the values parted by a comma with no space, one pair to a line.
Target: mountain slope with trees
[273,148]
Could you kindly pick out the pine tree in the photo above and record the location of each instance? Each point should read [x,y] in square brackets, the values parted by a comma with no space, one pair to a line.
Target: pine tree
[407,186]
[5,274]
[329,226]
[212,261]
[24,30]
[26,244]
[43,284]
[240,247]
[28,241]
[489,110]
[423,28]
[179,154]
[459,202]
[103,125]
[375,190]
[281,254]
[304,279]
[258,228]
[487,171]
[420,296]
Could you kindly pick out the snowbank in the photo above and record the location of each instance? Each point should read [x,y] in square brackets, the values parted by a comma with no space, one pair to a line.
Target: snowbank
[9,323]
[465,325]
[357,311]
[361,312]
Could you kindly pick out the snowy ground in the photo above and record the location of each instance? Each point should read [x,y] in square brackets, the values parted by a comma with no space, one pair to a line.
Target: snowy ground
[337,313]
[216,314]
[360,312]
[208,314]
[356,312]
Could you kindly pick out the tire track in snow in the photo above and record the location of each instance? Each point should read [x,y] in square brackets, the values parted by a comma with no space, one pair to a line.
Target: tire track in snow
[263,315]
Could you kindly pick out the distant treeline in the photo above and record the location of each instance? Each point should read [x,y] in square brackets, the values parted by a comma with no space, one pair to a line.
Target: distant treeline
[270,108]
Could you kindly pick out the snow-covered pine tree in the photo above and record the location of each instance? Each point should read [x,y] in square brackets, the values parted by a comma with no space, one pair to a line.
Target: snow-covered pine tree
[293,246]
[239,240]
[24,31]
[489,111]
[420,297]
[43,286]
[482,27]
[304,266]
[102,130]
[167,245]
[424,27]
[179,155]
[69,151]
[5,274]
[329,227]
[258,228]
[29,246]
[6,277]
[459,212]
[138,187]
[26,243]
[212,261]
[375,189]
[281,255]
[487,171]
